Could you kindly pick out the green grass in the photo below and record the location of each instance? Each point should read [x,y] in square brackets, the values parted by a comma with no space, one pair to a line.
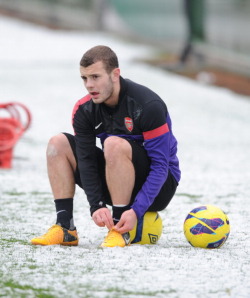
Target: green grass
[191,196]
[118,292]
[4,241]
[14,193]
[14,289]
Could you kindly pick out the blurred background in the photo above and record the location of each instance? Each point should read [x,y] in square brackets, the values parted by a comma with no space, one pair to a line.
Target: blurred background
[206,40]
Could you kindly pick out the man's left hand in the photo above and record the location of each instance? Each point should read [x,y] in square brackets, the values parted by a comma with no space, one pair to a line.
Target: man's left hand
[127,222]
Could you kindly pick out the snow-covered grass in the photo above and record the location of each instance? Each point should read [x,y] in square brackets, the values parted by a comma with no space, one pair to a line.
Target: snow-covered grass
[39,68]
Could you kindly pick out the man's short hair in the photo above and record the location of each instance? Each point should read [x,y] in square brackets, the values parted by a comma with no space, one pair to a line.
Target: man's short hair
[100,53]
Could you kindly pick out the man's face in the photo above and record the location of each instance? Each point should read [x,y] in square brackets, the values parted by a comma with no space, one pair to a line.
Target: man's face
[99,83]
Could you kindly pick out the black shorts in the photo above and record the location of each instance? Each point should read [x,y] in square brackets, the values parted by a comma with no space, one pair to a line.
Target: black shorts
[141,164]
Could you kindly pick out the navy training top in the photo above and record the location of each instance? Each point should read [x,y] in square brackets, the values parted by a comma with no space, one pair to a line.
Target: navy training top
[140,115]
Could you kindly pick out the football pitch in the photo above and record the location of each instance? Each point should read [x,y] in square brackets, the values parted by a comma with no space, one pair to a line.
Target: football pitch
[40,68]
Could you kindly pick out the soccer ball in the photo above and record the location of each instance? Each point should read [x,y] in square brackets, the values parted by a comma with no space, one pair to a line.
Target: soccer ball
[207,227]
[147,230]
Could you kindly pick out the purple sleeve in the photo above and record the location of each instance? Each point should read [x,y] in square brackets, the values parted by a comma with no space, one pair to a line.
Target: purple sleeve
[158,151]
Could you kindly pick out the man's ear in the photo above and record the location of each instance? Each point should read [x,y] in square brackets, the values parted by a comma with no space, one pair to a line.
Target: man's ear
[116,74]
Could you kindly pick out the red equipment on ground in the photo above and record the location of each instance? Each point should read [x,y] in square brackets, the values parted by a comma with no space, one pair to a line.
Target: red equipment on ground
[15,121]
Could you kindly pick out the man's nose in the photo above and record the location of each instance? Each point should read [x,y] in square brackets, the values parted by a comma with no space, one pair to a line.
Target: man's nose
[89,83]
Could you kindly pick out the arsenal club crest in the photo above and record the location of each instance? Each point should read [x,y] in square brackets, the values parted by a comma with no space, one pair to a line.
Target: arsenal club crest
[129,123]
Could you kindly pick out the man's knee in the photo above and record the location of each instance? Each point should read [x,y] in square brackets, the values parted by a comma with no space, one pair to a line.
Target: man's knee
[115,147]
[57,145]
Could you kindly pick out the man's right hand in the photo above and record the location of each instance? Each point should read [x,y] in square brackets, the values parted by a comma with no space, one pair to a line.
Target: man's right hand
[102,217]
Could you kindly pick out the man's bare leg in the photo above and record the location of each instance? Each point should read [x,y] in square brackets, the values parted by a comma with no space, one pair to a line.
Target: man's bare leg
[61,165]
[120,174]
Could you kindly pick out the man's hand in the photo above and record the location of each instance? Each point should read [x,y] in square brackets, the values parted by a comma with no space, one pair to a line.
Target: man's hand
[127,222]
[102,217]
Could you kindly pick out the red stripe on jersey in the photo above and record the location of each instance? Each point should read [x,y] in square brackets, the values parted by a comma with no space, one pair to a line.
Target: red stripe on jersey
[80,102]
[156,132]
